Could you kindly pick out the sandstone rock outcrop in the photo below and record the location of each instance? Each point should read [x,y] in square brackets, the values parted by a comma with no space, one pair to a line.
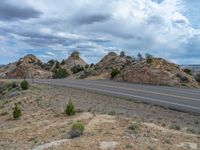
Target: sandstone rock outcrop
[73,60]
[27,67]
[158,72]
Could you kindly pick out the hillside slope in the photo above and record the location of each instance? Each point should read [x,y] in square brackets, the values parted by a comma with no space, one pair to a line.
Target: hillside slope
[26,67]
[158,72]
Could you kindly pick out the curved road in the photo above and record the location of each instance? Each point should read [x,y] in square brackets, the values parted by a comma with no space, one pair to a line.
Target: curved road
[182,99]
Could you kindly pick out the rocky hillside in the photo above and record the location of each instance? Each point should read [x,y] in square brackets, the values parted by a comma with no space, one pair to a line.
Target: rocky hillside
[73,60]
[26,67]
[156,71]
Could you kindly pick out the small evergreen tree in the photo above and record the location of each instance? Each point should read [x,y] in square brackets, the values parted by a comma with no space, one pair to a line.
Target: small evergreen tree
[63,62]
[24,85]
[69,111]
[17,112]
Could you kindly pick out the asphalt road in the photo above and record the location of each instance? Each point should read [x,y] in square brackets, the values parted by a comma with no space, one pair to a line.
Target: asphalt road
[182,99]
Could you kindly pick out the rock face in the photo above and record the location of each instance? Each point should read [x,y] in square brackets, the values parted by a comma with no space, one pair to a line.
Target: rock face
[158,72]
[73,60]
[27,67]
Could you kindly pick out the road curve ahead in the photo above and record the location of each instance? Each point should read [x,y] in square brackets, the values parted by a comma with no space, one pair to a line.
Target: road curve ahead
[182,99]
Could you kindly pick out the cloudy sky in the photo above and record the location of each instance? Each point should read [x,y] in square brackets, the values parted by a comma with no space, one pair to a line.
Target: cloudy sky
[54,28]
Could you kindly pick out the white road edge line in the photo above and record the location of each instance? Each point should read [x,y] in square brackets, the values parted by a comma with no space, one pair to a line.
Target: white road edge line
[135,96]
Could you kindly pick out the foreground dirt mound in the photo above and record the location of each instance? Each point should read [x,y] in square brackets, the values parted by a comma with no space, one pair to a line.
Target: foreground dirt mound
[26,67]
[158,71]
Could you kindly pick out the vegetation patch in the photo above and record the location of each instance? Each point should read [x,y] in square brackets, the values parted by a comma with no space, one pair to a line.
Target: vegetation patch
[69,111]
[114,73]
[134,126]
[175,127]
[16,112]
[77,130]
[24,85]
[60,73]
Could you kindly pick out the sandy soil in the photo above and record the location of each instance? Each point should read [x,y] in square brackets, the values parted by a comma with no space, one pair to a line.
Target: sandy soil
[44,126]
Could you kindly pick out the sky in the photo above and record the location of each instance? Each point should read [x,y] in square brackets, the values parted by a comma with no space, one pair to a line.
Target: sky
[52,29]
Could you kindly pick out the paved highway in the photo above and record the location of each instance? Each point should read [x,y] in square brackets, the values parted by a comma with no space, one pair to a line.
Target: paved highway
[182,99]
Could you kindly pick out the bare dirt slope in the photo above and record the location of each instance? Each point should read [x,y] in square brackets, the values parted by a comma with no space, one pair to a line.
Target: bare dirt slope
[107,120]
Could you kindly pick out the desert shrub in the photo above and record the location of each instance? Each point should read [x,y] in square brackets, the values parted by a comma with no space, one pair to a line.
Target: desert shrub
[16,112]
[14,85]
[188,71]
[91,65]
[70,109]
[175,127]
[63,62]
[57,66]
[149,58]
[77,130]
[114,73]
[24,85]
[182,78]
[197,77]
[51,62]
[60,73]
[87,66]
[134,126]
[77,68]
[112,113]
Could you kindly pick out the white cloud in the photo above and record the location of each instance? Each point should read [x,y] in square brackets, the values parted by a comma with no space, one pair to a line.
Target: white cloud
[99,26]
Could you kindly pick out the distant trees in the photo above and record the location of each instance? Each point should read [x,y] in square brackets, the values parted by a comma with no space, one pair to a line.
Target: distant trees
[60,73]
[77,68]
[149,58]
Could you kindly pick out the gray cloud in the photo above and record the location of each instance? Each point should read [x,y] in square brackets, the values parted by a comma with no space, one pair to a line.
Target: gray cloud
[93,18]
[10,12]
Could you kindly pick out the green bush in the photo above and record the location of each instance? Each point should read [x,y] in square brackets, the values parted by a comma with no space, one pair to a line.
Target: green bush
[149,58]
[16,112]
[60,73]
[114,73]
[134,126]
[77,68]
[63,62]
[24,85]
[197,77]
[188,71]
[182,78]
[77,129]
[175,127]
[70,109]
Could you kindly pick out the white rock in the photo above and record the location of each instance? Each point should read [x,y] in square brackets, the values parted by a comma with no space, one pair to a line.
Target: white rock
[187,145]
[50,145]
[108,145]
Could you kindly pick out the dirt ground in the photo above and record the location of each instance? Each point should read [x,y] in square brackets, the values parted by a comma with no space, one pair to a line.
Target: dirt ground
[107,119]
